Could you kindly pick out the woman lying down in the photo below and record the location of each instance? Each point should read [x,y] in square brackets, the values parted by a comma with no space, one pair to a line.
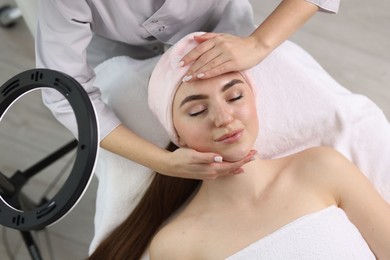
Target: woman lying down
[314,204]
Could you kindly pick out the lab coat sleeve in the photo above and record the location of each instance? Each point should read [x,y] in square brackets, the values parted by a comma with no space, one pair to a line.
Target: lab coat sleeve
[331,6]
[62,36]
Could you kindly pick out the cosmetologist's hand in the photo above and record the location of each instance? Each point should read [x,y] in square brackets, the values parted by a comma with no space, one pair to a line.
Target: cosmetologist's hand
[220,53]
[188,163]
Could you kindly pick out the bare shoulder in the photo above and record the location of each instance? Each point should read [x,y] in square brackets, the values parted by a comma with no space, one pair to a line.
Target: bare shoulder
[172,241]
[321,155]
[321,160]
[353,192]
[324,168]
[161,245]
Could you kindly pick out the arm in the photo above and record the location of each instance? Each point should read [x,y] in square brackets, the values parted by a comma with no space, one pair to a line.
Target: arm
[185,163]
[62,36]
[362,203]
[221,53]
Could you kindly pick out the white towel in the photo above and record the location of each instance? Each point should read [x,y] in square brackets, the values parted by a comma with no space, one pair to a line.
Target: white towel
[324,235]
[300,106]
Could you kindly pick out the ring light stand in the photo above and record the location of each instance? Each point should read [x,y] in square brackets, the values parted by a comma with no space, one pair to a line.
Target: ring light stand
[52,210]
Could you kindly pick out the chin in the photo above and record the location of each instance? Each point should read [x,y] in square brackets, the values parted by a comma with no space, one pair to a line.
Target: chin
[235,156]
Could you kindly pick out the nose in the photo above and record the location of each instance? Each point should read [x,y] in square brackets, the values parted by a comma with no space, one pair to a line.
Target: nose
[222,116]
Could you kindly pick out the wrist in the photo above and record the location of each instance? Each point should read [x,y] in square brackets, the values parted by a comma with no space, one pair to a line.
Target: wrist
[163,163]
[261,47]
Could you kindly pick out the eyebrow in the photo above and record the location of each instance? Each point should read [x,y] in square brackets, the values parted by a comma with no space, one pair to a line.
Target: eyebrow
[200,97]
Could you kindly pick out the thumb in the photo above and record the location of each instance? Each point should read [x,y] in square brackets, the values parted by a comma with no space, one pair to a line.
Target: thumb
[205,37]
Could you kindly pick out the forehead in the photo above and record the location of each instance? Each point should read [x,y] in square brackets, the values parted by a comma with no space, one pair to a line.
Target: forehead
[207,85]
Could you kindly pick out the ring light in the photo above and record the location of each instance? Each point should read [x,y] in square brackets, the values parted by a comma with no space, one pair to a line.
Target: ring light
[81,174]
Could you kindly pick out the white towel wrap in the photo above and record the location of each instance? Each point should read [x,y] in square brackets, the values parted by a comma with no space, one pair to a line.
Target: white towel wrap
[327,234]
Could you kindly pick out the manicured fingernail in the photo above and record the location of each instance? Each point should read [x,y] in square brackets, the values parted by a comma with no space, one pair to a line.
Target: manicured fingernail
[200,75]
[181,64]
[187,78]
[218,159]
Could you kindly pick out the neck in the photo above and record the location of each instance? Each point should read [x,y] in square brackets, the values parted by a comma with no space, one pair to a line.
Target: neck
[244,187]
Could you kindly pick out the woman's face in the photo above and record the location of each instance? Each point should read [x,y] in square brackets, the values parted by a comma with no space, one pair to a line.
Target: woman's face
[216,115]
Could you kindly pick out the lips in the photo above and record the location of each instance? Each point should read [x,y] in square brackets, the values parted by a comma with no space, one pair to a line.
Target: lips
[230,137]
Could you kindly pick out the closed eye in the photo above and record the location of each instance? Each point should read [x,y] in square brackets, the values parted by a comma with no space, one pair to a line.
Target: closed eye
[193,114]
[235,98]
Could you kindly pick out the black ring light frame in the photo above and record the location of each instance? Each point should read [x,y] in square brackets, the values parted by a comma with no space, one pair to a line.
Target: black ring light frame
[87,146]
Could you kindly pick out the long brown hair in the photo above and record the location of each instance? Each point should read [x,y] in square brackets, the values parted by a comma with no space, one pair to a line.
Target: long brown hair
[163,197]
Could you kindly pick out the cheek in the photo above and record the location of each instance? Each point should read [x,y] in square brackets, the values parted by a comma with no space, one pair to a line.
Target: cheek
[249,114]
[188,132]
[250,120]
